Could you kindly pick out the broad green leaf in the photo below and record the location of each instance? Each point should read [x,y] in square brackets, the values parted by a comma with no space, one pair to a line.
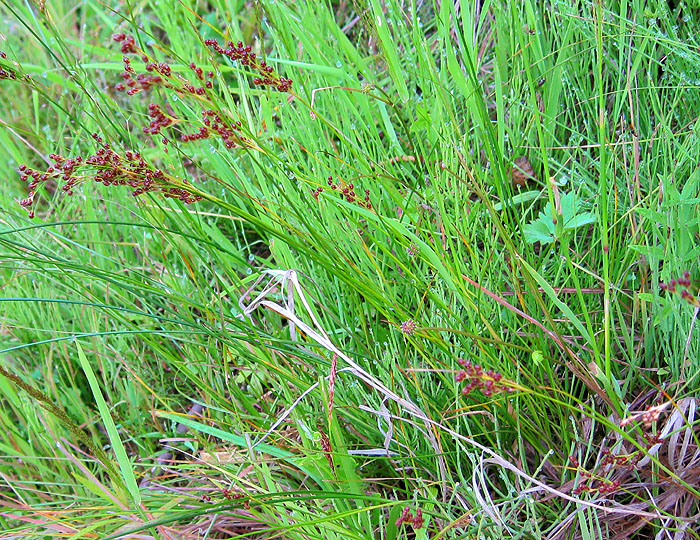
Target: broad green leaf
[539,231]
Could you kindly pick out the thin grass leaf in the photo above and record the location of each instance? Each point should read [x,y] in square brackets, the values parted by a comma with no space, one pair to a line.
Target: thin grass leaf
[123,461]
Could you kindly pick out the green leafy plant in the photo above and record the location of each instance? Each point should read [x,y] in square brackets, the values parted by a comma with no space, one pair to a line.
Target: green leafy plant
[570,212]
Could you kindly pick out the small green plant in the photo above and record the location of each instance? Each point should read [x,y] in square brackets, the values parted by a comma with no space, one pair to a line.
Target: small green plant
[570,211]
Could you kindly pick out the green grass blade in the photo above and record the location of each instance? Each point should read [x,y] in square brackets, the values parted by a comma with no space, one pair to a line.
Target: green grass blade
[120,452]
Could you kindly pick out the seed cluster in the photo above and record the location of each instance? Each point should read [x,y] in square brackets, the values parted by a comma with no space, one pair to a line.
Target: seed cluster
[596,482]
[489,382]
[157,73]
[229,495]
[406,516]
[347,192]
[161,74]
[7,73]
[238,52]
[108,168]
[682,286]
[591,483]
[159,120]
[327,448]
[229,132]
[128,43]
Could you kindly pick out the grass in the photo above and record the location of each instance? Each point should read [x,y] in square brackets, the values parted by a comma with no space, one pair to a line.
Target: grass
[282,359]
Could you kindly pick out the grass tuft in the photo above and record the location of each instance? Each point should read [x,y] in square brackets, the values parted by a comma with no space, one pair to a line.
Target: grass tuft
[349,269]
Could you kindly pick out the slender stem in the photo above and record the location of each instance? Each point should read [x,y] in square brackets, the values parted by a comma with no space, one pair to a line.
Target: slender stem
[603,189]
[45,402]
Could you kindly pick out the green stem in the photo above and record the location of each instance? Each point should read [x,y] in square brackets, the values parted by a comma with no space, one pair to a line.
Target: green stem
[60,414]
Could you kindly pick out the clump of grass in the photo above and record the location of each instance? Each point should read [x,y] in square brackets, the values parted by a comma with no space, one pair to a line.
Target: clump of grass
[415,281]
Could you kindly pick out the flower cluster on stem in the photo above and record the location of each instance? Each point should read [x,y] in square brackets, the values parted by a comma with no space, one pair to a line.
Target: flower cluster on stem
[7,73]
[407,516]
[684,288]
[489,382]
[347,192]
[408,327]
[597,481]
[238,52]
[131,169]
[109,168]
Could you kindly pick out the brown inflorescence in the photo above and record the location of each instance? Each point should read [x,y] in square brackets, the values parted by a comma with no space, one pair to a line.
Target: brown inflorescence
[489,382]
[590,483]
[160,74]
[347,192]
[128,42]
[238,52]
[682,286]
[108,168]
[231,495]
[7,73]
[159,120]
[157,73]
[597,481]
[327,449]
[619,460]
[316,192]
[416,522]
[229,132]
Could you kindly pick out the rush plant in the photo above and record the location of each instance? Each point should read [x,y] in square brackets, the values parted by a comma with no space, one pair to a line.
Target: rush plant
[359,270]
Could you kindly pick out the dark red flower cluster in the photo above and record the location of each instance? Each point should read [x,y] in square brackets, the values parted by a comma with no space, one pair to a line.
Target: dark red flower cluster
[416,521]
[136,82]
[408,327]
[130,169]
[230,133]
[347,192]
[682,286]
[489,381]
[128,42]
[231,495]
[238,52]
[619,460]
[158,73]
[109,168]
[202,134]
[7,73]
[316,192]
[159,120]
[327,449]
[199,72]
[683,283]
[602,487]
[589,483]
